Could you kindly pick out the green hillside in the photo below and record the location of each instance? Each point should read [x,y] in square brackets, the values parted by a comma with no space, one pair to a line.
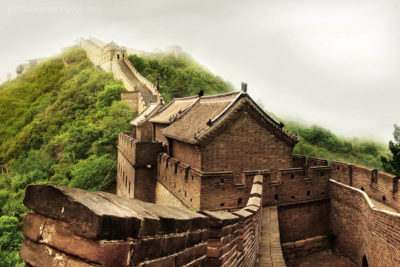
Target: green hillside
[179,75]
[318,142]
[59,123]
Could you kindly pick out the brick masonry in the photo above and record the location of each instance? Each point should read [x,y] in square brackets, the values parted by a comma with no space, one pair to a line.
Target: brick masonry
[115,231]
[362,230]
[304,247]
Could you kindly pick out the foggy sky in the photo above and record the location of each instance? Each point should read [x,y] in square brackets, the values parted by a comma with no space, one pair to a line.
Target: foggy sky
[331,63]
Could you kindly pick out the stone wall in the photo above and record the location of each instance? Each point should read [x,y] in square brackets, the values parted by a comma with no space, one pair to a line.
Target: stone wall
[72,227]
[362,230]
[234,237]
[186,153]
[202,190]
[303,220]
[378,185]
[137,168]
[304,247]
[181,180]
[158,136]
[245,146]
[296,185]
[132,99]
[149,85]
[93,50]
[144,131]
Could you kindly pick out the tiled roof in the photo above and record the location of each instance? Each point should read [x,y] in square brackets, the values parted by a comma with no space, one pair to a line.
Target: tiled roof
[173,109]
[208,114]
[152,109]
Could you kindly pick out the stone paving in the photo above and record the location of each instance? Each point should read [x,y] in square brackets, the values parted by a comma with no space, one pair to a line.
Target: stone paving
[322,259]
[270,246]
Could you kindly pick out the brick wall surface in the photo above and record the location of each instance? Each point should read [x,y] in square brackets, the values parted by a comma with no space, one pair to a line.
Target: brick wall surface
[158,136]
[165,197]
[131,98]
[362,230]
[303,220]
[186,153]
[144,132]
[137,168]
[245,146]
[125,177]
[378,185]
[234,237]
[219,191]
[296,184]
[180,179]
[304,247]
[298,161]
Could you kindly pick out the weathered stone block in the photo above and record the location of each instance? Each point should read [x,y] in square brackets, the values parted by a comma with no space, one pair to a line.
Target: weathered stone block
[90,215]
[39,255]
[58,235]
[168,261]
[174,243]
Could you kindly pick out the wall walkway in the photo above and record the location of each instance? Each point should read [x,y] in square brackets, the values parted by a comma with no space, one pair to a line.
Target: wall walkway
[270,246]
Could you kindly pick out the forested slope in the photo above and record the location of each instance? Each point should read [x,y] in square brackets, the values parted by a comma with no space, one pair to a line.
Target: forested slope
[59,123]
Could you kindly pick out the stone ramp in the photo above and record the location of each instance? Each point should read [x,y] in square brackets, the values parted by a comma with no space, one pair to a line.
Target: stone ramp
[270,246]
[139,86]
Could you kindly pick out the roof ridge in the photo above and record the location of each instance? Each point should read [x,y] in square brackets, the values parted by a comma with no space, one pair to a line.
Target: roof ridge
[207,130]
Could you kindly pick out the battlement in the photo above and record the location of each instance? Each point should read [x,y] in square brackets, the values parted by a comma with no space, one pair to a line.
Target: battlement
[137,168]
[378,185]
[138,153]
[199,189]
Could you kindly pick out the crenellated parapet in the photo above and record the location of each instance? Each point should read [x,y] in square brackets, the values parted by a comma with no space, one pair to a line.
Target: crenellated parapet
[137,167]
[380,186]
[202,190]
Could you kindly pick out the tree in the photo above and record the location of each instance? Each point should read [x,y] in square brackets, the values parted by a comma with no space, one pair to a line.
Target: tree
[392,164]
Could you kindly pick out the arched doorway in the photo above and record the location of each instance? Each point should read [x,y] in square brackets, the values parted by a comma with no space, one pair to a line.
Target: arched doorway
[117,56]
[364,261]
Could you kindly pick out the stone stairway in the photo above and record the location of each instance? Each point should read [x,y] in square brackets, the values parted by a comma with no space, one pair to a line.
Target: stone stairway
[270,247]
[147,95]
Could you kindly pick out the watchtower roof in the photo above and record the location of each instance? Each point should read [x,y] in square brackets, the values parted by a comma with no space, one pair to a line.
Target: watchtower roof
[203,116]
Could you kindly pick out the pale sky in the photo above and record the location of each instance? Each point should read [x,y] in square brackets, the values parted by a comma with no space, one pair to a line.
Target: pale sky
[331,63]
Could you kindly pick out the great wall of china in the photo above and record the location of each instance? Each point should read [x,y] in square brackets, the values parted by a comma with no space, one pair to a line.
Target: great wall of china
[113,58]
[212,181]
